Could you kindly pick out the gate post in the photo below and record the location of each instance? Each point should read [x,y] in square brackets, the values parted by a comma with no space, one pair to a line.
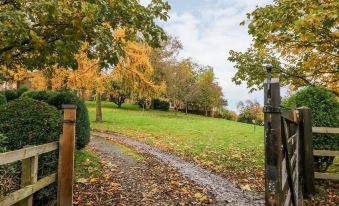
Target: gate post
[66,157]
[306,141]
[273,148]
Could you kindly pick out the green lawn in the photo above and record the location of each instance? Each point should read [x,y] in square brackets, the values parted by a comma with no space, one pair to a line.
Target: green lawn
[216,143]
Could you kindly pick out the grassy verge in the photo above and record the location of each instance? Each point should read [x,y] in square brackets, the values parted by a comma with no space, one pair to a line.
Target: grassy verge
[217,143]
[87,165]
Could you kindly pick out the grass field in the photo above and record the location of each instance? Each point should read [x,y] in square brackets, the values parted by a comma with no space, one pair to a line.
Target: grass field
[216,143]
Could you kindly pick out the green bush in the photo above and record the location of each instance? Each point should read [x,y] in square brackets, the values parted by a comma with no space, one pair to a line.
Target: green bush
[161,105]
[22,90]
[3,99]
[40,95]
[26,121]
[10,94]
[325,113]
[82,118]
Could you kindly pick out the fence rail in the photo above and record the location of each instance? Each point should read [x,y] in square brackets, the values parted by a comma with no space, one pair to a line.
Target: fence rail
[328,153]
[29,157]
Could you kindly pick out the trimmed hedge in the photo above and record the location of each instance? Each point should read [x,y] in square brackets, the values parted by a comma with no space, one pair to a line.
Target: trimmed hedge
[325,113]
[26,121]
[82,118]
[57,99]
[40,95]
[21,90]
[10,94]
[3,99]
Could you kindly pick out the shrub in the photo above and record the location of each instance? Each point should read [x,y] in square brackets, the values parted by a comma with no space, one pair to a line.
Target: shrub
[325,113]
[3,99]
[10,94]
[82,118]
[26,121]
[161,105]
[40,95]
[22,90]
[228,114]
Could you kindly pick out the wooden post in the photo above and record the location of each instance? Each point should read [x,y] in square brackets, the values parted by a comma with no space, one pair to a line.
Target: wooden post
[66,157]
[306,143]
[273,148]
[29,176]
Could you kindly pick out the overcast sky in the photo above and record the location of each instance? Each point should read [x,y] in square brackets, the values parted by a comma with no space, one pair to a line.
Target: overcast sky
[208,30]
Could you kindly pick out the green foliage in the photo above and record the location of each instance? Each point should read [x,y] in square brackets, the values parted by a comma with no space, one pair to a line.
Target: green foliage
[40,95]
[10,94]
[26,121]
[325,113]
[298,37]
[22,90]
[161,105]
[82,119]
[3,99]
[250,112]
[227,114]
[49,32]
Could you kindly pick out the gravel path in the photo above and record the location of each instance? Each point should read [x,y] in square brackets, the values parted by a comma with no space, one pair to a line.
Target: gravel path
[226,192]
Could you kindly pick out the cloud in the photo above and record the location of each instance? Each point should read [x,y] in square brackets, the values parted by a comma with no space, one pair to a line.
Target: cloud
[208,32]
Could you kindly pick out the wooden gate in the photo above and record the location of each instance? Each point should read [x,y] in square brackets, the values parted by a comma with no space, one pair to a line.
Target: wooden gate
[282,149]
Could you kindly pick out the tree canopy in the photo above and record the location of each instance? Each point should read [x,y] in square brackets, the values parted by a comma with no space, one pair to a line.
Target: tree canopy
[300,38]
[37,34]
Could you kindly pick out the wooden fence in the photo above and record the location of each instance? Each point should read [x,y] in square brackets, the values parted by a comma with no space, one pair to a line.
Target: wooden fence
[327,153]
[29,156]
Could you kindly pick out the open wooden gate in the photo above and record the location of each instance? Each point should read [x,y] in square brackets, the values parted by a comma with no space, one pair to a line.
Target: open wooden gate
[283,177]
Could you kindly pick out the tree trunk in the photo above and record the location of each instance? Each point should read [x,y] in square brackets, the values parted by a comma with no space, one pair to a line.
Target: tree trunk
[98,108]
[206,112]
[49,83]
[186,108]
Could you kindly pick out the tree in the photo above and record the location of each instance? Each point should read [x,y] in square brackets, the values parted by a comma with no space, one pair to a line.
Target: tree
[37,34]
[210,93]
[250,112]
[299,37]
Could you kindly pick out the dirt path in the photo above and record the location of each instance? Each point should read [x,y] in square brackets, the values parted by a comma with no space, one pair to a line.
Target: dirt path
[226,193]
[132,181]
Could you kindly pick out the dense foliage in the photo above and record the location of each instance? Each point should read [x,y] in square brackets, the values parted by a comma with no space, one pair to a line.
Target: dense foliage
[250,112]
[40,95]
[82,119]
[161,105]
[325,113]
[300,38]
[3,99]
[26,121]
[21,90]
[48,32]
[10,94]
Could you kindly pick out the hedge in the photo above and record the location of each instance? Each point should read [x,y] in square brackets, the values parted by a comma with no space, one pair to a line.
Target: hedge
[26,121]
[325,113]
[10,94]
[21,90]
[3,99]
[82,118]
[40,95]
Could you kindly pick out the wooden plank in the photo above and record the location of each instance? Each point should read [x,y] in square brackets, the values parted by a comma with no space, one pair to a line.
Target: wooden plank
[326,176]
[329,153]
[12,156]
[29,176]
[27,191]
[66,157]
[291,116]
[325,130]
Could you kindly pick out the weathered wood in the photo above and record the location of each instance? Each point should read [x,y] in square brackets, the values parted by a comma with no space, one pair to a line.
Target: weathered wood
[306,150]
[291,116]
[9,157]
[66,157]
[27,191]
[326,176]
[329,153]
[29,176]
[273,154]
[325,130]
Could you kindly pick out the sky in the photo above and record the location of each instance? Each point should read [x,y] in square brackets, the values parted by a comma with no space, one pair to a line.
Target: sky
[208,30]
